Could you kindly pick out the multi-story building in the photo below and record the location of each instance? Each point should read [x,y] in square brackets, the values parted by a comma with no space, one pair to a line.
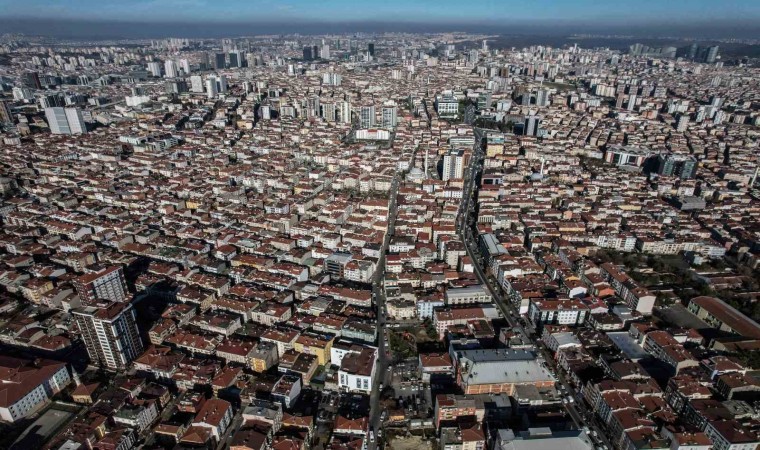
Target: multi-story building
[286,390]
[343,112]
[314,344]
[467,295]
[626,157]
[211,87]
[26,385]
[357,371]
[109,331]
[216,415]
[426,306]
[106,284]
[532,125]
[367,116]
[724,317]
[663,346]
[679,165]
[446,106]
[453,165]
[499,371]
[390,117]
[557,312]
[451,407]
[683,123]
[65,120]
[446,317]
[220,61]
[5,112]
[730,435]
[196,84]
[170,69]
[263,356]
[464,436]
[154,67]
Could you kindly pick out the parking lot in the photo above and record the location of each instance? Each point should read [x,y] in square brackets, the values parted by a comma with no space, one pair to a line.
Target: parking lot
[409,392]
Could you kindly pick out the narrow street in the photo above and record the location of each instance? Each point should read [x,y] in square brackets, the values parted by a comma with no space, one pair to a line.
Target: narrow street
[379,297]
[507,309]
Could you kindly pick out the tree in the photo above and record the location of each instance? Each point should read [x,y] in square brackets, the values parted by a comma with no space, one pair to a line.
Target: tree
[430,329]
[750,358]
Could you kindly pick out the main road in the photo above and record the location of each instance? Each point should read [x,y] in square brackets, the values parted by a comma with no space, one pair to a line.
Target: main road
[580,416]
[378,294]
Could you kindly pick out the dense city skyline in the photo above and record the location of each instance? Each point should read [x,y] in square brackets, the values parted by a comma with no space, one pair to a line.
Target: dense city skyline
[405,225]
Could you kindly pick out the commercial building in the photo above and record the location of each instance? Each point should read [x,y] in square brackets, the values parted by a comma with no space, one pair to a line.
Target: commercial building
[467,295]
[542,438]
[494,371]
[31,80]
[542,98]
[237,59]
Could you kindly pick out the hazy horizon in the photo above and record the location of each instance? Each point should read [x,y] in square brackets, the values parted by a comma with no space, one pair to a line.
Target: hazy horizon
[214,18]
[130,29]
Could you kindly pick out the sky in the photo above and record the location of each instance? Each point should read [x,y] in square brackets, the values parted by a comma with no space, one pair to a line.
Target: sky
[581,14]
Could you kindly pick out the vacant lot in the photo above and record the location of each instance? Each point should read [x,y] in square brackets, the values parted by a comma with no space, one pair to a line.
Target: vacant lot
[408,443]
